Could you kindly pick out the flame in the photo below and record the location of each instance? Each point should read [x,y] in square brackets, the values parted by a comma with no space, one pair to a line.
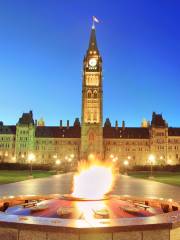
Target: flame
[93,180]
[88,208]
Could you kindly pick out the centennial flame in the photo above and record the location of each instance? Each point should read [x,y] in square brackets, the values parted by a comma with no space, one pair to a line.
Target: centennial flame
[93,180]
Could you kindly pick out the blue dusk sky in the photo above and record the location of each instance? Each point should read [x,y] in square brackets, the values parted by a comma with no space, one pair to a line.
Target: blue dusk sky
[42,44]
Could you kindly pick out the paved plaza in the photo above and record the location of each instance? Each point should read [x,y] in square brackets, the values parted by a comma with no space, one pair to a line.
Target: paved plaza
[63,184]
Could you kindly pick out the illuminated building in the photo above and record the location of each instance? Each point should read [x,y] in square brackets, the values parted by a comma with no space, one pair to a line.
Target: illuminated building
[90,136]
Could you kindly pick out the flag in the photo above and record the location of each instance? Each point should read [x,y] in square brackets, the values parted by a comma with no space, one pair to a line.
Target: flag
[95,19]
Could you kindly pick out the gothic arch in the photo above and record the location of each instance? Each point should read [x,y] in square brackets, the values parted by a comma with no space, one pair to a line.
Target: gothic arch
[89,94]
[95,94]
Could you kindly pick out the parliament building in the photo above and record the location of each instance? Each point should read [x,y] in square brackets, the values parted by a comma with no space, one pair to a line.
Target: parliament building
[90,135]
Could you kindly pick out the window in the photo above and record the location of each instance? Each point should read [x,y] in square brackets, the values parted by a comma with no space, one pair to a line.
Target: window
[95,94]
[89,94]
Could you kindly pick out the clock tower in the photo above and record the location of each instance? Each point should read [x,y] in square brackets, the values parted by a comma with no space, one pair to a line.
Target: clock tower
[92,114]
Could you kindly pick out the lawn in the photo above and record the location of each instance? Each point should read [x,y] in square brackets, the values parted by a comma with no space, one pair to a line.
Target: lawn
[172,178]
[9,176]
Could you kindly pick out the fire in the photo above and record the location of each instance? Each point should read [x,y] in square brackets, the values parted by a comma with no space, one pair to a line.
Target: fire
[93,180]
[88,208]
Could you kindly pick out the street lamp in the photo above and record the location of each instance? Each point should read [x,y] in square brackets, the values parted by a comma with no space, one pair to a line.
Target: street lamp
[13,158]
[151,159]
[6,154]
[169,161]
[31,158]
[115,159]
[58,162]
[126,163]
[91,157]
[70,158]
[162,159]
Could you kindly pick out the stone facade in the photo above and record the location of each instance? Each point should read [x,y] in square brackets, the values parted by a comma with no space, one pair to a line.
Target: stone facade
[72,143]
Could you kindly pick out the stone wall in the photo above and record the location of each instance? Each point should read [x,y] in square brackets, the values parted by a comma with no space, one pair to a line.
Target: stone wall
[20,234]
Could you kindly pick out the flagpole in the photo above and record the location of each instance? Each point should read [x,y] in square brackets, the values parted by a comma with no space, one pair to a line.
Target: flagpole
[93,25]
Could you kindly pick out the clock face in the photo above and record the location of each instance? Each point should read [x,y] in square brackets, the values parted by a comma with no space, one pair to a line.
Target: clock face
[92,62]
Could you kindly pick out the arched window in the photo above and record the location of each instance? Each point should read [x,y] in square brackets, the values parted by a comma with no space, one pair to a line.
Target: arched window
[89,94]
[95,94]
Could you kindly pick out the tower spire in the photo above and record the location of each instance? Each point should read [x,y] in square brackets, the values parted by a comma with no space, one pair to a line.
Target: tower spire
[92,41]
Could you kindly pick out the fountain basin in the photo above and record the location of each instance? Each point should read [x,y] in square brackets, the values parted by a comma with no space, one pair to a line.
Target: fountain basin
[105,225]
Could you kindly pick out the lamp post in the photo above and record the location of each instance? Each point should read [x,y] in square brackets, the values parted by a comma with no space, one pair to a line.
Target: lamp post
[6,156]
[151,159]
[31,158]
[126,163]
[169,161]
[111,156]
[72,155]
[115,159]
[58,162]
[13,158]
[69,160]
